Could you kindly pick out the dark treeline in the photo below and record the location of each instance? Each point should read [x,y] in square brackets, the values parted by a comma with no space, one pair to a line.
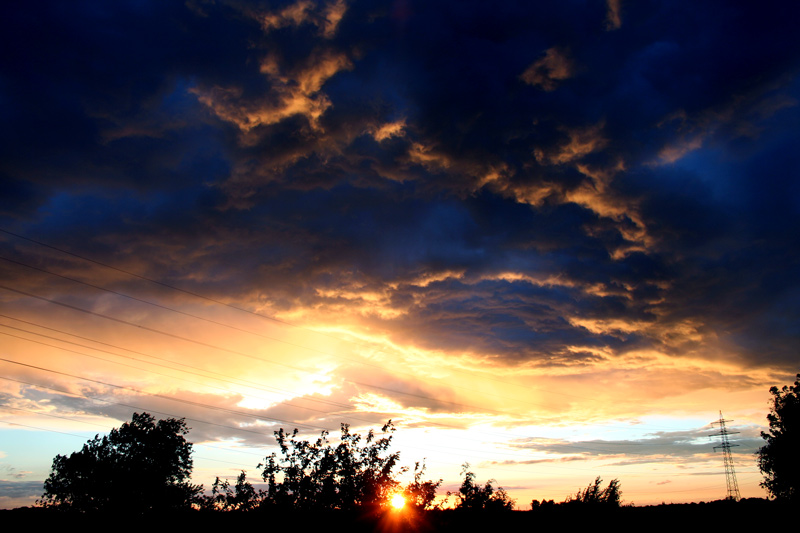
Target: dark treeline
[143,469]
[746,514]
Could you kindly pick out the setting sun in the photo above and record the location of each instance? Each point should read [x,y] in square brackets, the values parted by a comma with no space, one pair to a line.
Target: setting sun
[398,502]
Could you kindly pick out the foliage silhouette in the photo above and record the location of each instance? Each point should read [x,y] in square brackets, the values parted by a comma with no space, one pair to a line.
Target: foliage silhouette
[420,494]
[472,496]
[779,458]
[142,466]
[544,504]
[241,497]
[594,495]
[321,476]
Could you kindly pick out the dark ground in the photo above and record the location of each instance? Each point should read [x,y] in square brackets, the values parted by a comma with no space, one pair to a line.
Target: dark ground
[748,514]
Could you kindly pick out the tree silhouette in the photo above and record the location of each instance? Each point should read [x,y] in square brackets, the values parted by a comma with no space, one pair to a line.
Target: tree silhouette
[239,497]
[472,496]
[142,466]
[318,475]
[594,495]
[420,494]
[779,458]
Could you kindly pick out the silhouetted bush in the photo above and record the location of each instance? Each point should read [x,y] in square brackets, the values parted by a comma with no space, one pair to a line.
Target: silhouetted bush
[321,476]
[471,496]
[594,495]
[240,497]
[420,494]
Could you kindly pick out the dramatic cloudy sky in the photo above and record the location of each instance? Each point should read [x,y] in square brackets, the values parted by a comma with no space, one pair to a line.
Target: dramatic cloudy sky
[551,239]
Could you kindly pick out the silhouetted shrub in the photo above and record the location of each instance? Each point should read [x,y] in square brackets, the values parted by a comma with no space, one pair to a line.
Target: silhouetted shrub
[239,497]
[418,493]
[472,496]
[321,476]
[594,495]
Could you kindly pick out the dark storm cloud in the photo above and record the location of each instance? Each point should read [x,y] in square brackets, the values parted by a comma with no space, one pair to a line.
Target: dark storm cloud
[629,162]
[95,93]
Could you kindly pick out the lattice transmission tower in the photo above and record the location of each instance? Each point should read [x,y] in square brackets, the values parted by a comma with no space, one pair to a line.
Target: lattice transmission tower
[730,473]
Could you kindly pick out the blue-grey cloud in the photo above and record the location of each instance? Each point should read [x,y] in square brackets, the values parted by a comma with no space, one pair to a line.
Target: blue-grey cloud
[644,175]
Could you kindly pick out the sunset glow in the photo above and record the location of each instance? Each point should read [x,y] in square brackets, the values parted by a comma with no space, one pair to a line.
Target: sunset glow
[398,502]
[551,240]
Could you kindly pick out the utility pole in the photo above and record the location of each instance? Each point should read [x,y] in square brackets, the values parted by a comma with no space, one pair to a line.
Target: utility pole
[730,473]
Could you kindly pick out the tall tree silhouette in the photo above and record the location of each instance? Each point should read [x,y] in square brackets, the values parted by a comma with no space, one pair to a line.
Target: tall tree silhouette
[779,458]
[144,465]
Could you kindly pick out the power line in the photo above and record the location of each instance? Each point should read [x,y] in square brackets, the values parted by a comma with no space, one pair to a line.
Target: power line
[219,302]
[236,328]
[216,301]
[236,352]
[495,467]
[437,424]
[41,429]
[130,406]
[349,416]
[250,356]
[234,307]
[161,396]
[171,309]
[494,453]
[156,282]
[304,407]
[213,375]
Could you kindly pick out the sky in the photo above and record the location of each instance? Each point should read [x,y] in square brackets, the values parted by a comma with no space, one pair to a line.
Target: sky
[554,240]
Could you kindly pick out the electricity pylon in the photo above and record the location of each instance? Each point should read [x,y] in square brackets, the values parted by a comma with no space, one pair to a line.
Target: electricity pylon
[730,473]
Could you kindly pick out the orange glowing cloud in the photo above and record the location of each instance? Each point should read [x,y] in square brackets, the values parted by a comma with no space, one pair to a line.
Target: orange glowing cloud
[614,15]
[580,142]
[428,156]
[294,15]
[326,18]
[294,93]
[389,130]
[551,69]
[677,150]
